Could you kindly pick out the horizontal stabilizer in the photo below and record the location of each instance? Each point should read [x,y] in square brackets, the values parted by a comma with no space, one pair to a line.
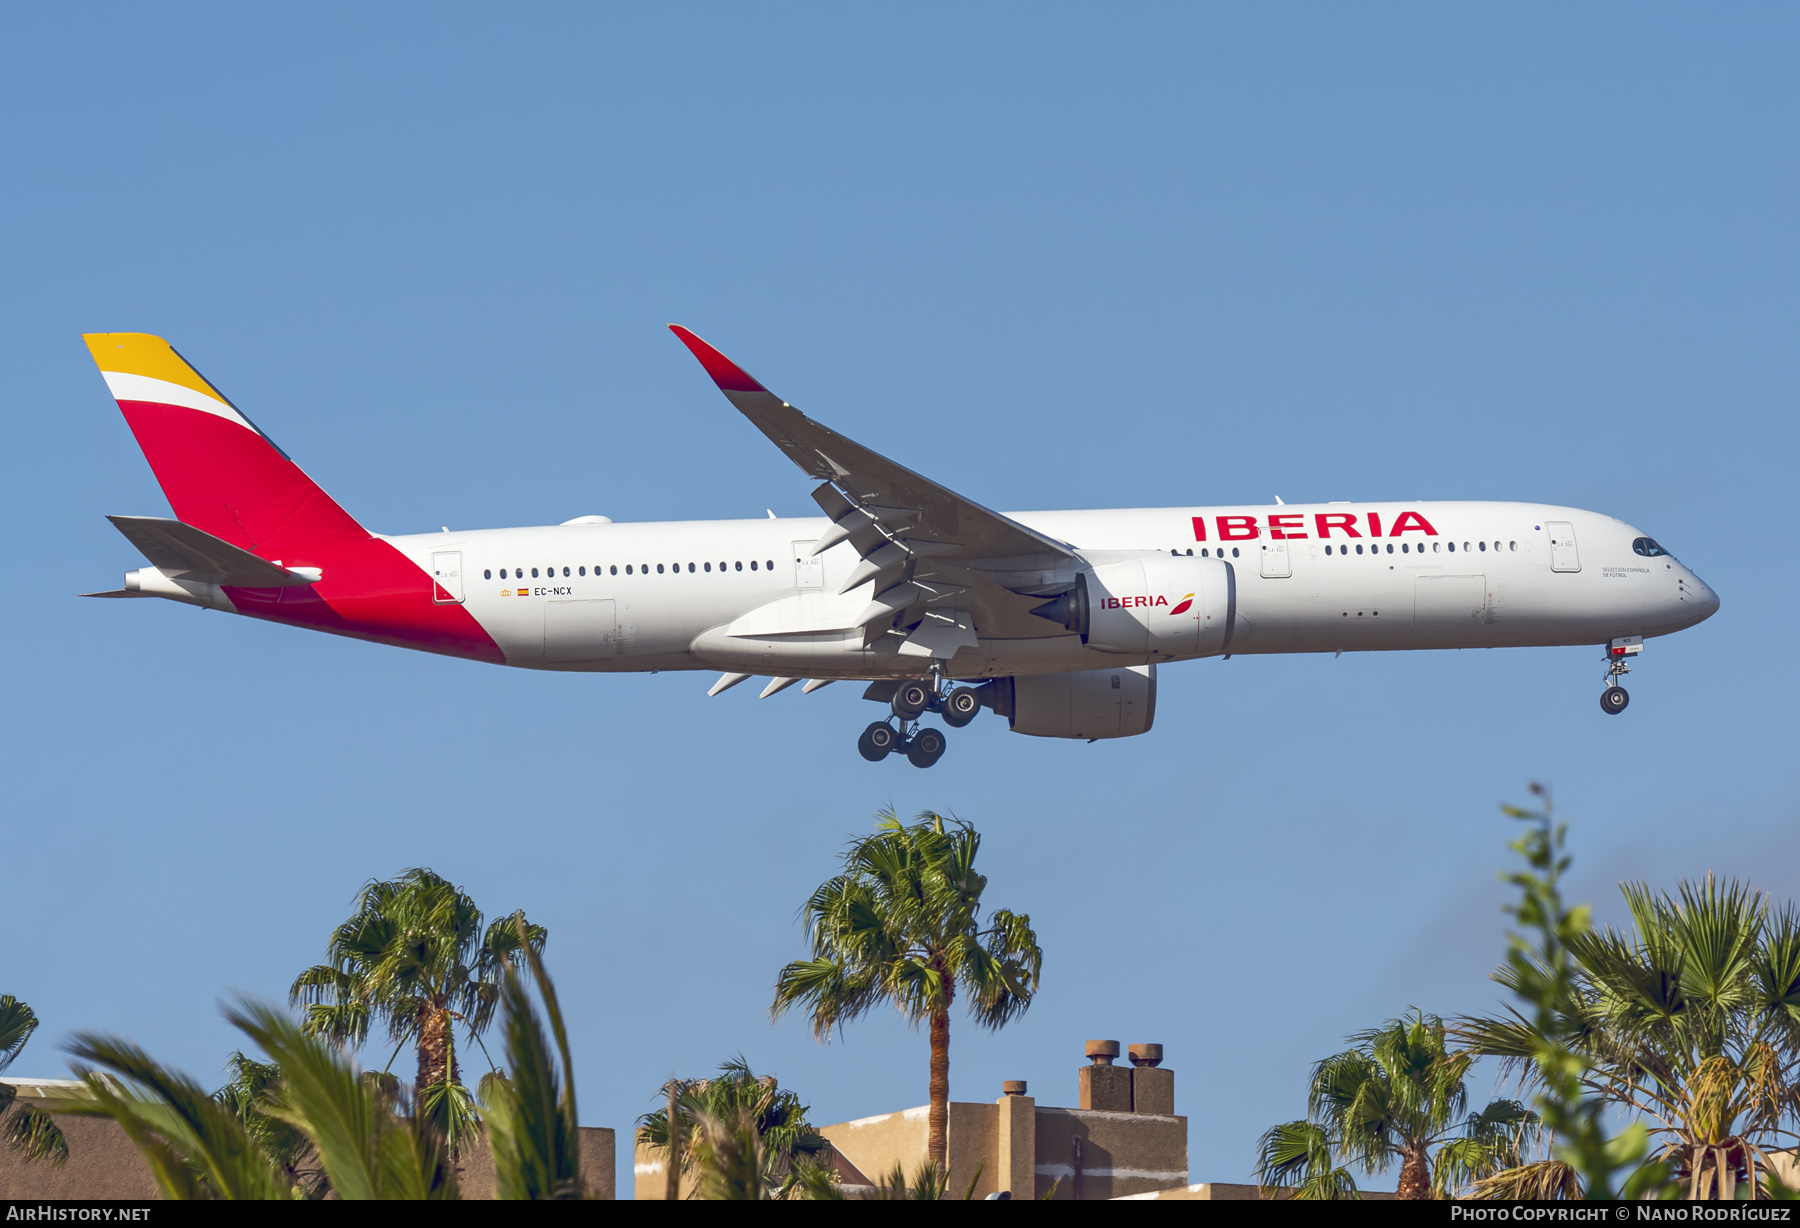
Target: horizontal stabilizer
[117,592]
[182,552]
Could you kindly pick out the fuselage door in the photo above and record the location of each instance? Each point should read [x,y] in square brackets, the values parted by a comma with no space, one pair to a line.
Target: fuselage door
[583,629]
[1563,554]
[1275,564]
[809,571]
[446,577]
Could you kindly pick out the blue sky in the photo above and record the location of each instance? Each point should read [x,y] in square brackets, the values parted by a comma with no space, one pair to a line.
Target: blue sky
[1055,256]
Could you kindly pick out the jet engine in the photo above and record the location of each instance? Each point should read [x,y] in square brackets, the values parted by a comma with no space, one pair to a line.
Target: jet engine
[1161,605]
[1091,703]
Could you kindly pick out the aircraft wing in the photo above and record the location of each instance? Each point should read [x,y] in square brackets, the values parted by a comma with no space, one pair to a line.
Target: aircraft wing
[942,564]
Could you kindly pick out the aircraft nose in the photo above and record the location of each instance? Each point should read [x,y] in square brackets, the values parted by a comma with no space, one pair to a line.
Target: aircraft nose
[1699,596]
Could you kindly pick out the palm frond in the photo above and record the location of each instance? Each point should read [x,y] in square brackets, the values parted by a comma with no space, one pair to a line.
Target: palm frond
[1295,1160]
[531,1112]
[34,1135]
[196,1146]
[17,1022]
[365,1149]
[1538,1181]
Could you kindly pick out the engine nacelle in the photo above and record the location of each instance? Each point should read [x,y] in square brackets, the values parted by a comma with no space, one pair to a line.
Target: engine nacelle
[1091,703]
[1162,605]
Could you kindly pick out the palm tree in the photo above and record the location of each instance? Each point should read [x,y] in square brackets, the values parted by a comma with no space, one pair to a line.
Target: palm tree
[415,957]
[902,924]
[368,1143]
[1689,1019]
[28,1130]
[1398,1093]
[252,1093]
[712,1113]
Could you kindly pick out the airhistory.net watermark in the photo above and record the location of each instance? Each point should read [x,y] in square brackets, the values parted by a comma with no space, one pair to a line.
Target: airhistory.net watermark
[67,1213]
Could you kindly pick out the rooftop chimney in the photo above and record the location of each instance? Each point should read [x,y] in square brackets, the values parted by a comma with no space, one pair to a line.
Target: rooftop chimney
[1104,1086]
[1152,1088]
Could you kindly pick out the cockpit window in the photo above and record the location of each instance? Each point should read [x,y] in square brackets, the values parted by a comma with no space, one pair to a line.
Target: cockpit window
[1648,548]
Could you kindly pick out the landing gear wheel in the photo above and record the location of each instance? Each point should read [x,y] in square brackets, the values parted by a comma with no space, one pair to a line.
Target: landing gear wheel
[961,706]
[911,699]
[926,748]
[878,741]
[1613,700]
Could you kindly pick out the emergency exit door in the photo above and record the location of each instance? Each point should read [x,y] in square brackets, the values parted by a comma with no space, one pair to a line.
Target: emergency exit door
[1275,564]
[446,577]
[1563,554]
[809,569]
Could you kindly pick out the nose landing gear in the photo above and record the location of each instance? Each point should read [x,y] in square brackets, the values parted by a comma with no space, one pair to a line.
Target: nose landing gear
[1619,651]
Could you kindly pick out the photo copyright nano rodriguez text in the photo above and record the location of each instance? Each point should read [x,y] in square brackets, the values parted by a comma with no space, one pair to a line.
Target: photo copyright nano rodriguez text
[1619,1213]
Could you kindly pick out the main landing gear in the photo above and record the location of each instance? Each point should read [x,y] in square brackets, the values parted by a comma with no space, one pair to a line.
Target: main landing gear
[904,734]
[1619,651]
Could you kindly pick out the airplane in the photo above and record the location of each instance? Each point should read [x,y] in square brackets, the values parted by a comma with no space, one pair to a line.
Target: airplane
[1056,621]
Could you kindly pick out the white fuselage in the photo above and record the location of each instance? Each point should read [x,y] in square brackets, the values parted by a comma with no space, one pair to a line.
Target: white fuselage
[748,594]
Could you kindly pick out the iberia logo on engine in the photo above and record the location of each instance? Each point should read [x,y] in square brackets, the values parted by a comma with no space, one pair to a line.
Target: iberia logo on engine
[1132,603]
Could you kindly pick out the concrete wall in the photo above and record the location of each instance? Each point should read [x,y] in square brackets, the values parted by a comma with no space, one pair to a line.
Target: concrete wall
[1120,1153]
[1020,1146]
[875,1144]
[104,1164]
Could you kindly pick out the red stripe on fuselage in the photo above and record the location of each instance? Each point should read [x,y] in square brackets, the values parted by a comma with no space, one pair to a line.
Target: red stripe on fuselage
[371,591]
[231,482]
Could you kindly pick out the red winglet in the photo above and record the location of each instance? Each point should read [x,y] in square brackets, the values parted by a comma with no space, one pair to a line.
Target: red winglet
[726,374]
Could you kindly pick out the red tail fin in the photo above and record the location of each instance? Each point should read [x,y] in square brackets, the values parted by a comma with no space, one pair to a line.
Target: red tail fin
[220,473]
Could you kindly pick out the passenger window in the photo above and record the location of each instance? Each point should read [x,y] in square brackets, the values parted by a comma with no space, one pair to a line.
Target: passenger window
[1390,547]
[1512,545]
[503,573]
[534,573]
[709,567]
[1452,547]
[1359,547]
[565,571]
[1435,546]
[1484,547]
[628,569]
[740,565]
[690,567]
[581,571]
[487,575]
[752,564]
[659,569]
[1328,550]
[1465,547]
[1190,552]
[770,564]
[1234,552]
[615,569]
